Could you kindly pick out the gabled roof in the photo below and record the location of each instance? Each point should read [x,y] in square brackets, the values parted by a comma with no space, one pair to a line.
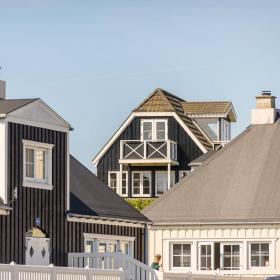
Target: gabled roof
[239,183]
[220,108]
[91,197]
[162,101]
[10,105]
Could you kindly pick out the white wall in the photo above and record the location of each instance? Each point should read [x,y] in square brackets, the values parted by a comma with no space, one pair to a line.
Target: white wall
[161,238]
[3,165]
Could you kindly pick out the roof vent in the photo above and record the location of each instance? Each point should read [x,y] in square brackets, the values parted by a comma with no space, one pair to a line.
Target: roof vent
[265,112]
[2,89]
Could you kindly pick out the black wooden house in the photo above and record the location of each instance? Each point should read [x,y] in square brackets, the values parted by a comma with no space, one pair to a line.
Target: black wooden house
[50,204]
[153,148]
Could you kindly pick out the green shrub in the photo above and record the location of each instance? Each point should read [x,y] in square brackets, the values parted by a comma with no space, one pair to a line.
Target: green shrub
[139,203]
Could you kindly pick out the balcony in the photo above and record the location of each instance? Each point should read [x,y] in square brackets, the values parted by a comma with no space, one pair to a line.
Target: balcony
[138,152]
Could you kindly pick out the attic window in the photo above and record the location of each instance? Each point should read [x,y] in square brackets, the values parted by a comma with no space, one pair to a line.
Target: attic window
[37,164]
[155,130]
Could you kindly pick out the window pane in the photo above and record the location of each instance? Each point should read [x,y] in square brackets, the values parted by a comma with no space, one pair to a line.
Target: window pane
[227,262]
[235,262]
[177,249]
[235,249]
[40,165]
[147,130]
[255,261]
[29,163]
[113,182]
[124,183]
[264,260]
[146,183]
[161,182]
[186,261]
[265,248]
[186,249]
[160,131]
[254,249]
[176,261]
[227,250]
[136,183]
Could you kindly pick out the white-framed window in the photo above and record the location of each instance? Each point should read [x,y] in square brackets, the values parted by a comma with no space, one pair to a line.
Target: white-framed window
[155,129]
[162,181]
[141,183]
[206,256]
[181,255]
[259,254]
[230,256]
[99,243]
[37,164]
[114,182]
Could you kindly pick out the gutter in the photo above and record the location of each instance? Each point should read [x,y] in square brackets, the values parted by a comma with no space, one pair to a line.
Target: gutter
[102,218]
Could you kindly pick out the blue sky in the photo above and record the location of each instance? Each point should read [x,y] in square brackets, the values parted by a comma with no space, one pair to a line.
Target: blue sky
[94,61]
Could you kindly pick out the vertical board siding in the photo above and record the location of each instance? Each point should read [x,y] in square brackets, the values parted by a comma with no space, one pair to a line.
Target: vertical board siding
[49,206]
[187,150]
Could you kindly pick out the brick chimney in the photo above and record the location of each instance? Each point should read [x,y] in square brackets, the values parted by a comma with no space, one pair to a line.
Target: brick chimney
[265,112]
[2,89]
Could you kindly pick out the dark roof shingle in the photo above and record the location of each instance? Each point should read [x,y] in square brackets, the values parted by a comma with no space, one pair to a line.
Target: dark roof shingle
[91,197]
[10,105]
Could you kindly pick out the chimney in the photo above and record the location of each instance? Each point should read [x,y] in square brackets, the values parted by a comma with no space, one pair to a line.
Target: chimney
[265,112]
[2,90]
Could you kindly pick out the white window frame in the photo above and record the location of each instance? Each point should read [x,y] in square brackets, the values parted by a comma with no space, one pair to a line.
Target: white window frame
[199,255]
[117,180]
[172,176]
[141,194]
[154,130]
[109,239]
[119,187]
[269,255]
[171,256]
[32,182]
[222,244]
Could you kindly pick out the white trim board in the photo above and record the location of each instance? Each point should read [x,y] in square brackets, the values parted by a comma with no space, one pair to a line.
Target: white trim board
[109,236]
[145,114]
[3,160]
[105,221]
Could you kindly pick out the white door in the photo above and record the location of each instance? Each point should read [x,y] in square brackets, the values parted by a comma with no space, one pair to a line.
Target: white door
[37,251]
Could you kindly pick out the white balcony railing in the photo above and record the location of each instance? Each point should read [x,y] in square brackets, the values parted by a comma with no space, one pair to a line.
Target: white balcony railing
[148,150]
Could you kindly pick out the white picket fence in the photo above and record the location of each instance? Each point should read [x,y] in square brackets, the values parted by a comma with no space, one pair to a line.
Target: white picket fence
[133,269]
[26,272]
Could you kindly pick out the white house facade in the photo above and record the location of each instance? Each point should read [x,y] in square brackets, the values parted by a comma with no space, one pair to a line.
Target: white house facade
[225,216]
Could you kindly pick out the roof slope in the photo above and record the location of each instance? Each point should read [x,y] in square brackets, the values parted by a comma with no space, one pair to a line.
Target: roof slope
[10,105]
[202,158]
[240,183]
[162,101]
[89,196]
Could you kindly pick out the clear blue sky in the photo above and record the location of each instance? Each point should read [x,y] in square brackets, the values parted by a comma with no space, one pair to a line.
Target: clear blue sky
[94,61]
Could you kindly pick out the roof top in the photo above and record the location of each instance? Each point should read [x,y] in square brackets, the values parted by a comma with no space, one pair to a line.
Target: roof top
[91,197]
[10,105]
[202,158]
[162,101]
[240,183]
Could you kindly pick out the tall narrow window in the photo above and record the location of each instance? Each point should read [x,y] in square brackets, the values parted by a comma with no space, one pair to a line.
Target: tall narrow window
[141,183]
[206,257]
[113,181]
[161,130]
[230,256]
[181,255]
[147,127]
[259,254]
[124,183]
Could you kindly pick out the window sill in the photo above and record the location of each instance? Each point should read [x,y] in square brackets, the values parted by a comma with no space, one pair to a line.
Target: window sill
[37,185]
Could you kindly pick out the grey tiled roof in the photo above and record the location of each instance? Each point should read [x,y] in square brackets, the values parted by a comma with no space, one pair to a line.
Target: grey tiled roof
[239,183]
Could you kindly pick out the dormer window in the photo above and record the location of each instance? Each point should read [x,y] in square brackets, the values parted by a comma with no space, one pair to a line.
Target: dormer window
[37,164]
[154,130]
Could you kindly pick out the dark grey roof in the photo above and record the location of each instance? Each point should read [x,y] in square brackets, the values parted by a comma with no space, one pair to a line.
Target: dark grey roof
[91,197]
[202,158]
[240,183]
[10,105]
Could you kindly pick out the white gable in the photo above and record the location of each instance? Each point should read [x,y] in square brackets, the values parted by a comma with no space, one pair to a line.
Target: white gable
[38,114]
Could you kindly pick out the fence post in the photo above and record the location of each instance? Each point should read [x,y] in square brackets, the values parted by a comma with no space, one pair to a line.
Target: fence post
[13,272]
[122,273]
